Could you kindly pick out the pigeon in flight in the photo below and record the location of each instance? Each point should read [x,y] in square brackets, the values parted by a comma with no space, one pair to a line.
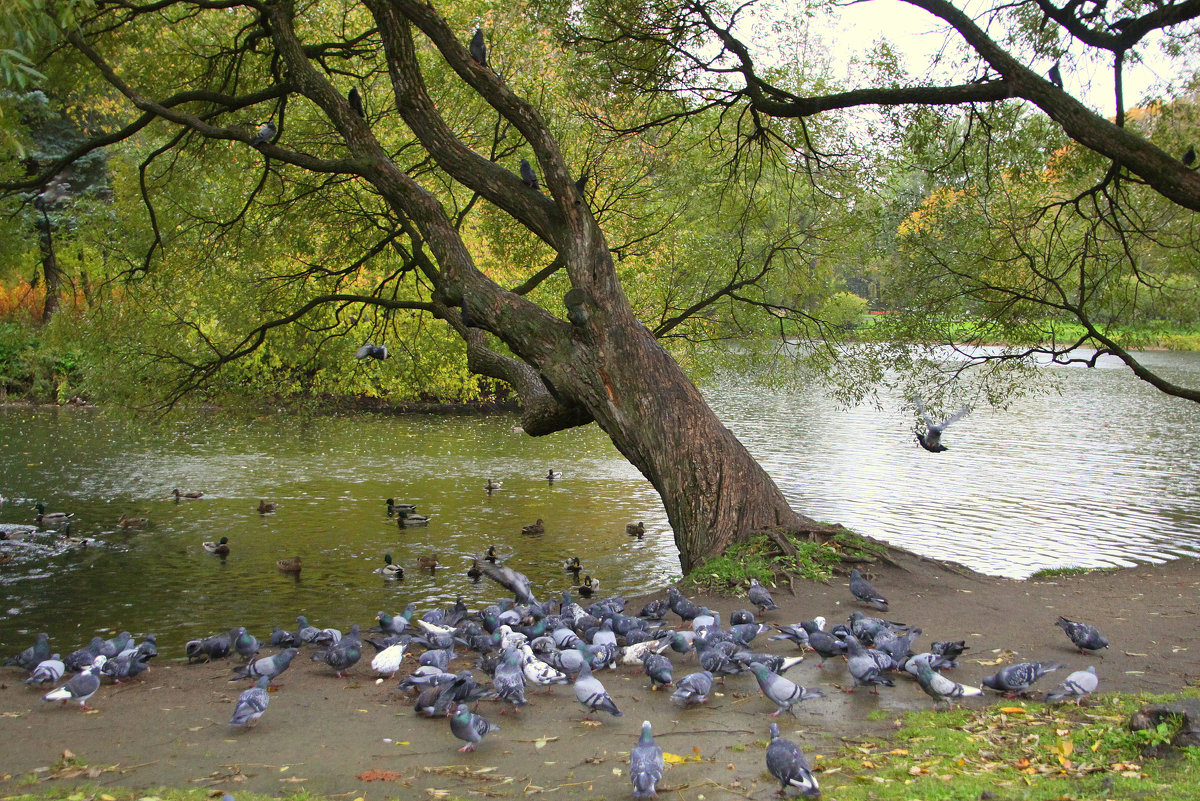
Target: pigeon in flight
[479,48]
[370,351]
[786,762]
[264,134]
[931,440]
[645,764]
[1086,637]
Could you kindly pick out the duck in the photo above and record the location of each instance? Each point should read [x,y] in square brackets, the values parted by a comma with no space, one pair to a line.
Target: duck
[398,508]
[51,517]
[492,485]
[187,494]
[589,586]
[474,572]
[408,519]
[220,547]
[264,507]
[126,521]
[636,529]
[534,529]
[427,562]
[573,565]
[553,474]
[491,554]
[390,570]
[288,565]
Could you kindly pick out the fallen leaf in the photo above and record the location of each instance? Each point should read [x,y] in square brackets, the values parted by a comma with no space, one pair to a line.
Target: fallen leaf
[1014,710]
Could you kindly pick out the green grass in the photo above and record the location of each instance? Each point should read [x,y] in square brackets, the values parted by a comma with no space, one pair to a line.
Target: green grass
[1015,751]
[1055,572]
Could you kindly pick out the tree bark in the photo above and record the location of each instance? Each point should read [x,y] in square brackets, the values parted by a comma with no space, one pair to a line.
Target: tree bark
[50,269]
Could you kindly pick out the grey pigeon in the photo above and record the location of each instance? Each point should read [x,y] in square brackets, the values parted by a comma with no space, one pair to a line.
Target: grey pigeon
[268,667]
[78,660]
[940,688]
[795,633]
[117,644]
[470,728]
[509,680]
[33,655]
[245,643]
[530,179]
[355,101]
[645,764]
[759,596]
[343,654]
[1085,636]
[931,440]
[658,668]
[1075,687]
[209,648]
[863,591]
[780,691]
[370,351]
[306,633]
[693,689]
[864,668]
[264,134]
[1018,678]
[125,665]
[82,686]
[516,583]
[786,762]
[591,693]
[251,704]
[281,638]
[1055,75]
[48,671]
[478,48]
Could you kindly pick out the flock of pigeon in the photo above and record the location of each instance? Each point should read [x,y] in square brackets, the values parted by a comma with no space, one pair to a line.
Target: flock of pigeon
[523,645]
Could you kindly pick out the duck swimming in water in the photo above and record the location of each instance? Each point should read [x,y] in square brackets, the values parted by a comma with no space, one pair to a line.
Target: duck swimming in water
[220,548]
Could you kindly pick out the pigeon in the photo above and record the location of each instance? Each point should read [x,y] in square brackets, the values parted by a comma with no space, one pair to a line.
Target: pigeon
[786,762]
[209,648]
[1055,75]
[1075,687]
[470,728]
[538,673]
[478,48]
[931,440]
[591,693]
[355,101]
[1189,156]
[826,645]
[863,667]
[85,656]
[759,596]
[426,676]
[1086,637]
[371,351]
[264,134]
[940,688]
[125,665]
[343,654]
[681,605]
[388,660]
[48,671]
[509,680]
[658,668]
[795,633]
[516,583]
[530,179]
[33,655]
[740,616]
[1018,678]
[268,667]
[864,592]
[251,704]
[950,649]
[306,633]
[80,687]
[244,643]
[645,764]
[780,691]
[693,689]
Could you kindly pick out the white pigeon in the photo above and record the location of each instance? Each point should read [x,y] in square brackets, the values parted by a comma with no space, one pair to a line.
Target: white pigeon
[387,661]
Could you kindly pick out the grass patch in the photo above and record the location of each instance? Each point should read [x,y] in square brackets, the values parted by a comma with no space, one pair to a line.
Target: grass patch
[1022,750]
[1056,572]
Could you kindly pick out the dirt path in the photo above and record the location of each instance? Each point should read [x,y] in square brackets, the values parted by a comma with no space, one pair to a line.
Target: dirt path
[327,736]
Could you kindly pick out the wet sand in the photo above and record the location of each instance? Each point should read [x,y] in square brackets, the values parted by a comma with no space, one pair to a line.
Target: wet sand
[360,737]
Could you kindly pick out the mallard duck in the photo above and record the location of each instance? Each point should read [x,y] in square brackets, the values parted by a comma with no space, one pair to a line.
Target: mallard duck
[636,529]
[573,565]
[427,562]
[132,522]
[187,494]
[264,507]
[399,508]
[589,586]
[220,548]
[408,519]
[491,554]
[6,557]
[553,474]
[390,570]
[51,517]
[288,565]
[492,485]
[474,572]
[534,529]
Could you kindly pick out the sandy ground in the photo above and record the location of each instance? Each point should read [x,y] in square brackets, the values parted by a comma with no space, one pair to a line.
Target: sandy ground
[333,736]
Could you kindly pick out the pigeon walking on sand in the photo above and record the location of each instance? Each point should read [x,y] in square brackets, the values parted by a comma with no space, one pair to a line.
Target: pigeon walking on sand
[251,704]
[469,727]
[693,689]
[760,597]
[931,440]
[786,762]
[268,667]
[645,764]
[33,655]
[865,592]
[81,687]
[780,691]
[591,693]
[1018,678]
[1085,636]
[48,671]
[940,688]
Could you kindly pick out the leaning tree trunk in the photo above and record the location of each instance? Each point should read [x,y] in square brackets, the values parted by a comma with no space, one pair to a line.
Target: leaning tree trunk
[53,275]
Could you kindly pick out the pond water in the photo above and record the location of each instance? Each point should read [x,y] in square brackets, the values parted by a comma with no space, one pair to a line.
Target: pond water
[1102,473]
